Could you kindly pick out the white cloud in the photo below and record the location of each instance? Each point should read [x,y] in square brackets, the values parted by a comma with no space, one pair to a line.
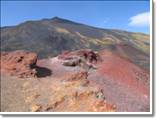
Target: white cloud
[140,20]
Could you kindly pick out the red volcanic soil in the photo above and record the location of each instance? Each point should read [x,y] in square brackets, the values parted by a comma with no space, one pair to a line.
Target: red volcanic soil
[124,83]
[114,84]
[122,70]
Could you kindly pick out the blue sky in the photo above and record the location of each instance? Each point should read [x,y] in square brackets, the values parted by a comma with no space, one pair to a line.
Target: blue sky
[125,15]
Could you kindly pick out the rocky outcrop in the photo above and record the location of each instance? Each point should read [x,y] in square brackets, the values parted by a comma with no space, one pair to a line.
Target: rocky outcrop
[113,86]
[86,54]
[70,93]
[19,63]
[85,58]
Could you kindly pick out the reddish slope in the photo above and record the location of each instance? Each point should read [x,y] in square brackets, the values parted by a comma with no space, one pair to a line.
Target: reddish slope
[118,81]
[120,69]
[124,83]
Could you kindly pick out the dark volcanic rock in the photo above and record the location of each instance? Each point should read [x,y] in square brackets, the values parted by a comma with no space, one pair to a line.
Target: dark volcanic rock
[19,63]
[89,55]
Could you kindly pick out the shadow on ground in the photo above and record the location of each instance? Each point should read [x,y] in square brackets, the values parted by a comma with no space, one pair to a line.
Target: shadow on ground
[43,72]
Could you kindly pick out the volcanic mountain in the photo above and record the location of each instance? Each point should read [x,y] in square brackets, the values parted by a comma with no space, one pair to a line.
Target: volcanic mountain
[57,65]
[49,37]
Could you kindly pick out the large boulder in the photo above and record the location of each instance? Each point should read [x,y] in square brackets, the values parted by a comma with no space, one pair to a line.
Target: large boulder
[19,63]
[85,58]
[89,55]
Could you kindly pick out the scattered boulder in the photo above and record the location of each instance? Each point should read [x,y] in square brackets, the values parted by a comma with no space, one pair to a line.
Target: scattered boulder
[19,63]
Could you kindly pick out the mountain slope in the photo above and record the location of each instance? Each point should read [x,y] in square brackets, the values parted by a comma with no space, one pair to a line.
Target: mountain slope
[49,37]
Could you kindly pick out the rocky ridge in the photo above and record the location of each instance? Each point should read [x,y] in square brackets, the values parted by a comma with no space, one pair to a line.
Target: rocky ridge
[78,81]
[71,92]
[19,63]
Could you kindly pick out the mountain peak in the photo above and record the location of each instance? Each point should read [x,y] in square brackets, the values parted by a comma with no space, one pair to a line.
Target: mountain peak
[56,18]
[62,20]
